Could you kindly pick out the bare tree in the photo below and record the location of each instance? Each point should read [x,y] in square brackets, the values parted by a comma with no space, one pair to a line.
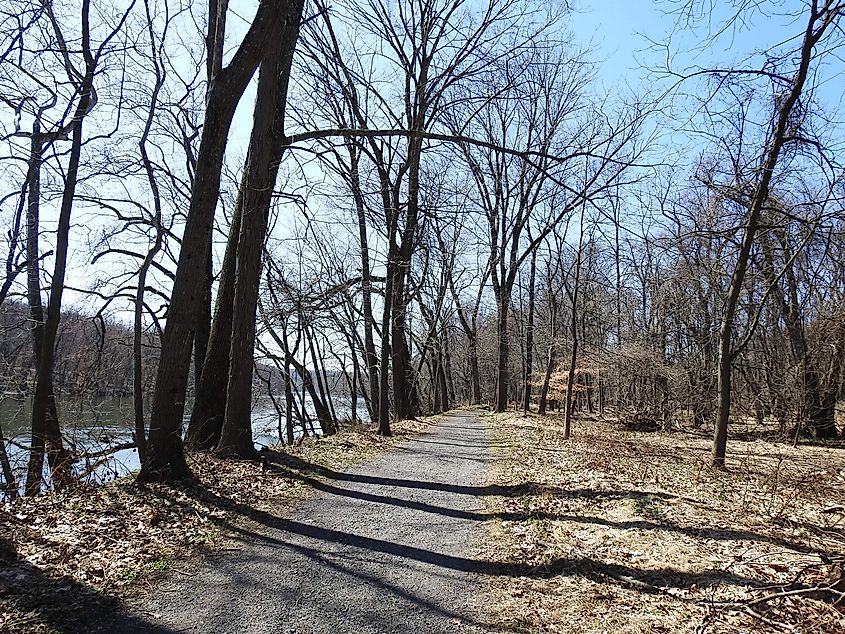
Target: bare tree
[753,186]
[166,459]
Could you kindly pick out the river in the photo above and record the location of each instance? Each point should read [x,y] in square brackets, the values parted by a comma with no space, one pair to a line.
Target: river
[94,424]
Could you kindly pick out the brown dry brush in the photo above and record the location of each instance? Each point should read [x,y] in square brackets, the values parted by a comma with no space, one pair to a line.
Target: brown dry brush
[638,524]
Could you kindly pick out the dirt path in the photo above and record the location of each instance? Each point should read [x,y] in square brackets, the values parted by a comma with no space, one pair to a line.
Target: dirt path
[386,547]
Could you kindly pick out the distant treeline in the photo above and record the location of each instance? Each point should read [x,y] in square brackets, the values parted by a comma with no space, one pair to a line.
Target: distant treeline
[93,354]
[94,357]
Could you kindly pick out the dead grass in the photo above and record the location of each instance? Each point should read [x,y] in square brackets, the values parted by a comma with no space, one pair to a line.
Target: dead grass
[65,553]
[634,532]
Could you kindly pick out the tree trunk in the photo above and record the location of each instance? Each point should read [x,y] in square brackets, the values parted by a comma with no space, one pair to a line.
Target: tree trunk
[529,335]
[573,327]
[266,147]
[45,429]
[503,355]
[327,424]
[723,393]
[166,460]
[544,392]
[406,399]
[451,397]
[6,468]
[137,350]
[441,382]
[399,351]
[779,133]
[370,357]
[384,370]
[203,330]
[317,359]
[474,373]
[209,409]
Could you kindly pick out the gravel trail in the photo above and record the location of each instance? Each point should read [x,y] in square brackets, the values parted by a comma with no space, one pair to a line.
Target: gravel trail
[386,547]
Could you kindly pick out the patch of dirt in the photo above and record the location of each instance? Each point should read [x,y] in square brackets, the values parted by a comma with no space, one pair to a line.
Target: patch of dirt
[634,532]
[63,554]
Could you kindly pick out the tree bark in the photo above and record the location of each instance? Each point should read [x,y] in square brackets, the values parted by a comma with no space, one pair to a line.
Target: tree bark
[529,334]
[6,468]
[210,398]
[503,338]
[384,370]
[266,147]
[166,459]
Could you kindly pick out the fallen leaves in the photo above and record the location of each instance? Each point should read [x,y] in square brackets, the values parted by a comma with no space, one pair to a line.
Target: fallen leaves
[640,535]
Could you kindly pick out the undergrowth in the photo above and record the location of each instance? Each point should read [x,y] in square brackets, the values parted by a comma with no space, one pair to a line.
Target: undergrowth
[634,532]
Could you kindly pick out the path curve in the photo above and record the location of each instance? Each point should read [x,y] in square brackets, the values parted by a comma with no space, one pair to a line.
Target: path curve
[386,547]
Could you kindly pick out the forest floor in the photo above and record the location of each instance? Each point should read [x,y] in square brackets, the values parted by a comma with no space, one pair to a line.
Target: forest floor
[477,522]
[66,556]
[634,532]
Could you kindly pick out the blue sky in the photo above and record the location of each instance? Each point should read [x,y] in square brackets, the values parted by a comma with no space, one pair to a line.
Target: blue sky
[619,31]
[613,30]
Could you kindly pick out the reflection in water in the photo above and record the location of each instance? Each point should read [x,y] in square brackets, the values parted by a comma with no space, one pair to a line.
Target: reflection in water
[96,424]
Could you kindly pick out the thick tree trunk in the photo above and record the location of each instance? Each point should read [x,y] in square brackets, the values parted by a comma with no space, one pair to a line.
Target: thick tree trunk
[266,147]
[405,397]
[210,399]
[399,352]
[166,460]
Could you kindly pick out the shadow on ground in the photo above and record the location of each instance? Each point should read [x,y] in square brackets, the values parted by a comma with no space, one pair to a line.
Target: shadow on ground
[58,604]
[68,607]
[271,529]
[294,467]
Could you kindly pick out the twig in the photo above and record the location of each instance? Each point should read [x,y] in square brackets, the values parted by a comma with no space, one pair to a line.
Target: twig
[108,450]
[775,624]
[636,583]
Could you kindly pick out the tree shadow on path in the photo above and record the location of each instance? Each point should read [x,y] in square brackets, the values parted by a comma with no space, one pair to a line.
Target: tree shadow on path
[316,537]
[294,467]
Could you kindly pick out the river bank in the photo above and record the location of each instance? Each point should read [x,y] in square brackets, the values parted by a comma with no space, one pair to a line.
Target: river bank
[96,426]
